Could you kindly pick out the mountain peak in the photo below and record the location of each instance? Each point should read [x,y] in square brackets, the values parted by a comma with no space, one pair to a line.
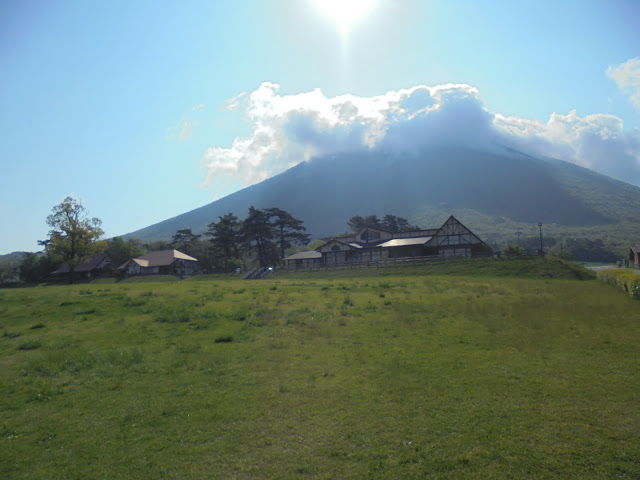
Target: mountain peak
[508,186]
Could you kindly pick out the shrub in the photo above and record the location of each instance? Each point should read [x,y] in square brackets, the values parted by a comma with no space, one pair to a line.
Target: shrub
[513,250]
[623,279]
[29,345]
[240,314]
[224,339]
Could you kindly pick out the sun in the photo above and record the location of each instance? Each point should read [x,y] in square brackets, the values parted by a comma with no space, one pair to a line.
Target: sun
[345,12]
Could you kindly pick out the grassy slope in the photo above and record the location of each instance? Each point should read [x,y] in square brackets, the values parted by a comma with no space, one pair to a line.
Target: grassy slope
[375,375]
[522,267]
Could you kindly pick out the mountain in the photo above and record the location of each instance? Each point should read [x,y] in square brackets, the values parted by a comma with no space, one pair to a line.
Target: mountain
[12,258]
[493,193]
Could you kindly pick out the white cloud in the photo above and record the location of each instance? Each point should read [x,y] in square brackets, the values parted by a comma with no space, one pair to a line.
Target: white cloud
[185,131]
[597,141]
[288,129]
[234,102]
[627,76]
[180,132]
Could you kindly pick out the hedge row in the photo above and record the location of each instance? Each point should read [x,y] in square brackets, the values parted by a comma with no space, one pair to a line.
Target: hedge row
[624,279]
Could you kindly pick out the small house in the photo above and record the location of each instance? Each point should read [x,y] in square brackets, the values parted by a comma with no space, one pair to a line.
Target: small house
[163,262]
[97,266]
[303,260]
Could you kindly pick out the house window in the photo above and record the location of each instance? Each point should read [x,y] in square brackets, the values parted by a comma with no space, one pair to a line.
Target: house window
[369,236]
[335,248]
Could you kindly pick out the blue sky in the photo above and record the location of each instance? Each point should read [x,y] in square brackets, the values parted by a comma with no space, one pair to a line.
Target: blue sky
[145,110]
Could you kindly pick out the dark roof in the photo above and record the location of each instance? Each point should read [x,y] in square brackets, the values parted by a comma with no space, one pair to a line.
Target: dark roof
[337,240]
[88,266]
[635,248]
[377,229]
[416,233]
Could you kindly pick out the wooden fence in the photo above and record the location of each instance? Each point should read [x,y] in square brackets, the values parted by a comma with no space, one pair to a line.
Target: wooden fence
[398,262]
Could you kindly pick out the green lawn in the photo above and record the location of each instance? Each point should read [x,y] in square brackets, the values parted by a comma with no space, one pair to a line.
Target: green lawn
[415,373]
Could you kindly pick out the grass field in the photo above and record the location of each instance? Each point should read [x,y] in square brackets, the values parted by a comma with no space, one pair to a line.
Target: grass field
[451,372]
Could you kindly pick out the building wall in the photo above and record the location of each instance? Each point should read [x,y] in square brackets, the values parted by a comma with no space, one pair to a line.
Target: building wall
[334,257]
[460,251]
[302,263]
[178,267]
[451,240]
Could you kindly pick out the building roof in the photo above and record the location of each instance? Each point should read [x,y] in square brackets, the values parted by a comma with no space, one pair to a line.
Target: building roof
[451,227]
[377,229]
[161,258]
[635,248]
[405,242]
[338,240]
[91,264]
[304,255]
[416,233]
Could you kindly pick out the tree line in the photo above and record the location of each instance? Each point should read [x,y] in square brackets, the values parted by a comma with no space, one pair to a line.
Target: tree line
[262,238]
[388,223]
[576,249]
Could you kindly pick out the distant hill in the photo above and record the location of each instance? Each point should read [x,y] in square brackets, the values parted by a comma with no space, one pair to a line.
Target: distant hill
[494,194]
[12,258]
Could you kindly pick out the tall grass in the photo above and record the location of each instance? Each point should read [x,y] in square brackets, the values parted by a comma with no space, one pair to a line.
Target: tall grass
[623,279]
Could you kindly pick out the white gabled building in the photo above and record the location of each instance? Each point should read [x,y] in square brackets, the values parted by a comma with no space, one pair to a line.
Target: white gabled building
[164,262]
[371,244]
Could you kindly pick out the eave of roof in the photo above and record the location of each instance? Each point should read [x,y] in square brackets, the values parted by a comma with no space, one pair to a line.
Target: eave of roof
[304,256]
[162,258]
[405,242]
[87,266]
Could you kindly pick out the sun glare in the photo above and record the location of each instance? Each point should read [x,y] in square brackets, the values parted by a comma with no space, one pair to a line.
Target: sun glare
[345,12]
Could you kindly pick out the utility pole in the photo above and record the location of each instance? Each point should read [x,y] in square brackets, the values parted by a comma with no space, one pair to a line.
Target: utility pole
[540,227]
[518,233]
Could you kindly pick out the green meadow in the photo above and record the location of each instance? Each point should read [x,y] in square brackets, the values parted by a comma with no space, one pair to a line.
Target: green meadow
[469,369]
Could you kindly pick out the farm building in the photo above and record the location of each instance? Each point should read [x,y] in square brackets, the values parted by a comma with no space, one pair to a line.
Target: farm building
[164,262]
[97,266]
[371,244]
[304,259]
